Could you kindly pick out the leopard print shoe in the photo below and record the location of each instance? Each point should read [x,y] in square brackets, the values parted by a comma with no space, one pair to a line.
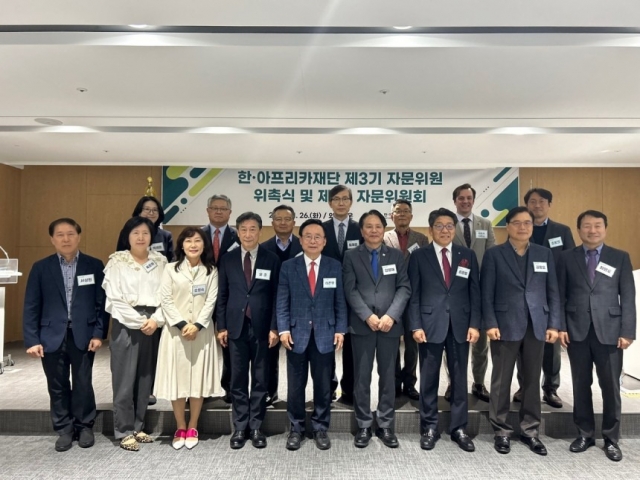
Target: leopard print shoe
[142,437]
[129,443]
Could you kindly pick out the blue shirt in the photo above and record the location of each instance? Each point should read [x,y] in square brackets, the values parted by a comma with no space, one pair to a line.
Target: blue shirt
[598,249]
[68,276]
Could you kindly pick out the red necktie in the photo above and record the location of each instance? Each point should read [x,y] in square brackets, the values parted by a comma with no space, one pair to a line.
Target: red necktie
[312,278]
[216,244]
[446,267]
[247,277]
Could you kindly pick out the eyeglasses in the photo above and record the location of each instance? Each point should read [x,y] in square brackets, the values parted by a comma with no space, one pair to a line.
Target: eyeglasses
[341,199]
[519,224]
[314,238]
[152,211]
[402,212]
[438,227]
[219,209]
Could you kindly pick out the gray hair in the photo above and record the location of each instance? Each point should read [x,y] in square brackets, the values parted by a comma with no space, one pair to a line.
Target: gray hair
[213,198]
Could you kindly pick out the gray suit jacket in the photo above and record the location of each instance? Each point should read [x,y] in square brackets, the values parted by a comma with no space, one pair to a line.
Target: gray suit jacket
[389,295]
[391,240]
[478,245]
[610,303]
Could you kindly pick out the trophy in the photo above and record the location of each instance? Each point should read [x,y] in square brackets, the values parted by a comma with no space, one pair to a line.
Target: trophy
[150,191]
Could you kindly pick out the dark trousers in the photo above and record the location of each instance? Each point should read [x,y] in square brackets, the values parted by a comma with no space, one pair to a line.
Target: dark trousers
[225,377]
[297,375]
[274,370]
[430,361]
[406,375]
[71,409]
[346,384]
[154,354]
[551,362]
[385,350]
[504,355]
[608,361]
[249,352]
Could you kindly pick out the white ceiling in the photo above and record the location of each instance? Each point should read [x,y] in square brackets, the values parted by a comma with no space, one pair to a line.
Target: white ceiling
[552,84]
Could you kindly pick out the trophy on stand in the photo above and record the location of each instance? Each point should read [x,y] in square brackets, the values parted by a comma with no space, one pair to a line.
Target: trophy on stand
[8,275]
[150,191]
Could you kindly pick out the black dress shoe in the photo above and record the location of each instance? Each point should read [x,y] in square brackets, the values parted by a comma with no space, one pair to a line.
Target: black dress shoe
[226,398]
[502,443]
[428,439]
[581,444]
[64,442]
[517,397]
[612,450]
[412,393]
[346,399]
[334,396]
[463,440]
[258,439]
[388,437]
[238,439]
[363,435]
[479,391]
[294,440]
[152,400]
[447,393]
[398,391]
[535,445]
[272,399]
[552,399]
[86,438]
[322,440]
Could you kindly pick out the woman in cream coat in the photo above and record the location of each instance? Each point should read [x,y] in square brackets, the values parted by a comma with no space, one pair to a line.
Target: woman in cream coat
[187,360]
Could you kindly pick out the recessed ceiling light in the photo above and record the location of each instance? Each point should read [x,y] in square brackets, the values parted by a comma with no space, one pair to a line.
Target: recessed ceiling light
[403,28]
[139,25]
[48,121]
[605,151]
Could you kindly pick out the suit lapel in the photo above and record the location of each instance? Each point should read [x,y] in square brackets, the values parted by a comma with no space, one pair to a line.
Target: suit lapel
[530,268]
[604,258]
[363,255]
[511,260]
[433,259]
[578,255]
[456,257]
[460,233]
[477,225]
[393,237]
[301,268]
[56,273]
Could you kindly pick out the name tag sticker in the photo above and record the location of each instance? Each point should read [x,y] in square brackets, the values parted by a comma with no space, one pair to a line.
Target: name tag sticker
[89,280]
[482,234]
[233,247]
[540,267]
[157,247]
[352,244]
[389,270]
[412,248]
[329,283]
[463,272]
[555,242]
[263,274]
[299,254]
[605,269]
[198,290]
[150,266]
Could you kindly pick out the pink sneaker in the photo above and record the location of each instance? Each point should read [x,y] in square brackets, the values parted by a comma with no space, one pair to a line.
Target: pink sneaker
[179,439]
[192,438]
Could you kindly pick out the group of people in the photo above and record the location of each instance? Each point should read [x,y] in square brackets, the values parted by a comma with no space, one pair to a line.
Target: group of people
[339,284]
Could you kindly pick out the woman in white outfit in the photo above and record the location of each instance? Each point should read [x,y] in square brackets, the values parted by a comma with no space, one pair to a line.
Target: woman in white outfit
[188,356]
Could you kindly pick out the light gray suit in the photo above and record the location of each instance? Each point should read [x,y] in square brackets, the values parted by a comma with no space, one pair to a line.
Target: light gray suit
[388,295]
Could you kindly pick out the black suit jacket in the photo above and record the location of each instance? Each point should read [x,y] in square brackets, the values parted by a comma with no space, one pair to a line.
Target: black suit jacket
[234,296]
[558,230]
[331,248]
[229,241]
[295,250]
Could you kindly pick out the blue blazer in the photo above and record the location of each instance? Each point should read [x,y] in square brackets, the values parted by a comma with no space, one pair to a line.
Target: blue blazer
[505,293]
[45,316]
[294,251]
[234,295]
[299,312]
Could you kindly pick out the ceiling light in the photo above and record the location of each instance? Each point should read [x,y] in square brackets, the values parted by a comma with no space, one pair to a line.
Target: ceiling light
[517,131]
[139,25]
[403,28]
[48,121]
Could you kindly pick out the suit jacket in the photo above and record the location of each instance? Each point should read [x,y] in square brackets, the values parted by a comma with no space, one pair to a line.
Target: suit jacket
[229,241]
[610,303]
[331,248]
[505,293]
[234,296]
[555,230]
[388,295]
[478,245]
[433,306]
[391,240]
[299,312]
[294,251]
[45,316]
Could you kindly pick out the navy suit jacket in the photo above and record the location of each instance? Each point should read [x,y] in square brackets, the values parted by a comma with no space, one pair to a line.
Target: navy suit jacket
[229,238]
[433,306]
[45,317]
[299,312]
[331,248]
[505,293]
[294,251]
[234,296]
[555,230]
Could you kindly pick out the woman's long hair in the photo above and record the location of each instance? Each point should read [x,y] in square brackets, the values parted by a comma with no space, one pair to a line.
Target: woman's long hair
[207,254]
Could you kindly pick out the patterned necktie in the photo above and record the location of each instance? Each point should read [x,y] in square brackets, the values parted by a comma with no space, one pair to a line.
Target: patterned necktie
[216,245]
[591,264]
[247,277]
[312,278]
[341,237]
[446,267]
[467,232]
[374,264]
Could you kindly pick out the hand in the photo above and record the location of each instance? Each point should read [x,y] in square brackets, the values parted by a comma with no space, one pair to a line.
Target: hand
[564,339]
[273,338]
[286,340]
[95,344]
[189,332]
[223,338]
[36,351]
[374,322]
[338,340]
[419,336]
[386,323]
[473,334]
[493,333]
[552,335]
[623,343]
[149,327]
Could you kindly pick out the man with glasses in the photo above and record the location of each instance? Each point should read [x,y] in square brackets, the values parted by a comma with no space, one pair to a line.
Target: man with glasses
[407,241]
[520,311]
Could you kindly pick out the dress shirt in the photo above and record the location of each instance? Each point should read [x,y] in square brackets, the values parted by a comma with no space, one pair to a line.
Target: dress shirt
[68,275]
[438,250]
[253,254]
[403,240]
[281,245]
[462,217]
[213,232]
[336,226]
[597,249]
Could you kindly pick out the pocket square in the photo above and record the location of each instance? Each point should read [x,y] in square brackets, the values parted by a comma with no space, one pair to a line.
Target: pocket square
[464,263]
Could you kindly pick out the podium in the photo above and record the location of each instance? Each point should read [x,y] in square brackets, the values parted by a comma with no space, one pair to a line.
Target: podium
[8,275]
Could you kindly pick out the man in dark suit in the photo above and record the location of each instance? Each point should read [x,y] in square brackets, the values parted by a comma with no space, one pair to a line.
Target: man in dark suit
[520,311]
[312,321]
[558,238]
[63,324]
[286,246]
[246,322]
[224,238]
[342,234]
[377,290]
[598,295]
[444,314]
[407,241]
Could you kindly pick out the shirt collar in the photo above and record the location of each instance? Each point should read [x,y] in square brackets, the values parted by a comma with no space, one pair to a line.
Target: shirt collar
[337,222]
[64,262]
[402,234]
[252,253]
[599,249]
[462,217]
[282,245]
[222,230]
[516,250]
[543,224]
[307,260]
[439,248]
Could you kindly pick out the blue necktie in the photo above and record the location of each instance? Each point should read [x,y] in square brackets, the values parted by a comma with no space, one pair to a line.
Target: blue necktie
[374,264]
[591,264]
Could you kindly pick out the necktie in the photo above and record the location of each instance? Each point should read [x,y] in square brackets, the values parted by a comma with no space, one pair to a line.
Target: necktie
[591,264]
[446,267]
[312,278]
[341,237]
[374,264]
[216,244]
[247,277]
[467,232]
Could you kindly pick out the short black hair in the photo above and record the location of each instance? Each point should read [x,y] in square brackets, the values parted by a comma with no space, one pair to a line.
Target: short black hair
[517,210]
[464,186]
[592,213]
[140,205]
[402,201]
[543,192]
[130,225]
[369,213]
[442,212]
[283,207]
[306,223]
[60,221]
[246,216]
[339,188]
[206,257]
